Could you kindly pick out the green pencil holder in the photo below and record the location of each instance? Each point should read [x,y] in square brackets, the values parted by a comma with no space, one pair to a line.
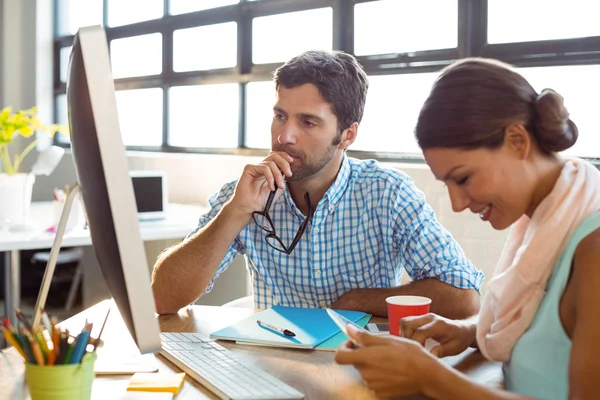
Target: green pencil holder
[61,382]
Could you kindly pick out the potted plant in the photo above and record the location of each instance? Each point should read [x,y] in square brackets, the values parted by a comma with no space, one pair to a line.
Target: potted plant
[15,185]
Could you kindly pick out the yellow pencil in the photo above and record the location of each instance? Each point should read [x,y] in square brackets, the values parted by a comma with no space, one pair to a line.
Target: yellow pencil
[14,342]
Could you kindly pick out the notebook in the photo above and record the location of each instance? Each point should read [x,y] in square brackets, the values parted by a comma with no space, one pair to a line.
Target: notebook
[311,326]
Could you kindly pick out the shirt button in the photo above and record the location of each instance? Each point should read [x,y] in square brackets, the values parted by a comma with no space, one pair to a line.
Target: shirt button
[316,230]
[317,273]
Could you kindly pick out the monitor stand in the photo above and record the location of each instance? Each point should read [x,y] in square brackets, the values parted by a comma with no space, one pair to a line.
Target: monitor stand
[50,266]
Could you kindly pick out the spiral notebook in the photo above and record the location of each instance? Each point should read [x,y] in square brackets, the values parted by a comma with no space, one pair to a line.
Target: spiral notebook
[311,326]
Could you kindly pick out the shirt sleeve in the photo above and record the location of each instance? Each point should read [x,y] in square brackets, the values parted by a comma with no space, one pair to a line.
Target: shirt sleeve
[216,203]
[428,250]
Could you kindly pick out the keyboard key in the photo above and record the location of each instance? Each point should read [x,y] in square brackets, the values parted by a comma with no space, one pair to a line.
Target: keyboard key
[209,362]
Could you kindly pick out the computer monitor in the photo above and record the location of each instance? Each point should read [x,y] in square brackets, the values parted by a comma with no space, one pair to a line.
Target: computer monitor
[106,187]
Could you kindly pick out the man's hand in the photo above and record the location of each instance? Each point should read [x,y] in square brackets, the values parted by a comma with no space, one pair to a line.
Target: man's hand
[258,180]
[453,337]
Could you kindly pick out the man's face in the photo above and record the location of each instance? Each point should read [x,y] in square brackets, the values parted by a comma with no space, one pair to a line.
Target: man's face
[305,127]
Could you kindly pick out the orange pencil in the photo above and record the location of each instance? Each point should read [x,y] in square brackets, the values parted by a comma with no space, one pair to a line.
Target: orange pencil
[35,347]
[55,340]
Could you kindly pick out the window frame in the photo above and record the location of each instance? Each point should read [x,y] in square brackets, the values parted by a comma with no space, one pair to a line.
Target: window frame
[471,35]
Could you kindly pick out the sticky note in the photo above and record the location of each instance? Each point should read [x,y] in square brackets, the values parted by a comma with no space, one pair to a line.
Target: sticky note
[146,396]
[156,382]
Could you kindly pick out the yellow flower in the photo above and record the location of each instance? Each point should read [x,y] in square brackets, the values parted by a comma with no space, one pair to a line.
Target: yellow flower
[24,123]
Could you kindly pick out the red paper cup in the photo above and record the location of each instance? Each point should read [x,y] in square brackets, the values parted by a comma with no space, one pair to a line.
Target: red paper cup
[405,306]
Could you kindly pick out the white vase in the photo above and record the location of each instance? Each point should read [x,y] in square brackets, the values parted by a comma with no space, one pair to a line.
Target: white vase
[15,198]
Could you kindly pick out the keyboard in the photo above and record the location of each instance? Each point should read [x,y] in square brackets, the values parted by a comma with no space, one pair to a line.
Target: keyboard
[214,367]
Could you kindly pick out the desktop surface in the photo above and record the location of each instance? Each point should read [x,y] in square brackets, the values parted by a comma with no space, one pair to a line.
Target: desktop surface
[312,372]
[180,220]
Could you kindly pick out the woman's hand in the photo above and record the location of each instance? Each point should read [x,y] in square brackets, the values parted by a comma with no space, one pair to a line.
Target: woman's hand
[453,336]
[391,366]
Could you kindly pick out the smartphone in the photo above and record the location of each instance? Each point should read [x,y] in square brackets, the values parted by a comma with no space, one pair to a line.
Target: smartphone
[342,322]
[382,329]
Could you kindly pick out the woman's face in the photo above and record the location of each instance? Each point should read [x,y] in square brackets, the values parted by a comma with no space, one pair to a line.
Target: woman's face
[492,183]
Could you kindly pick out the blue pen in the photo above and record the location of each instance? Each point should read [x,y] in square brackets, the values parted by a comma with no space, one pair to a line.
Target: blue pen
[80,345]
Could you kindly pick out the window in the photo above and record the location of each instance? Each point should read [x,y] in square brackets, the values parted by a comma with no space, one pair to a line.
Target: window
[404,26]
[62,116]
[390,120]
[191,47]
[523,21]
[73,14]
[204,116]
[279,37]
[135,129]
[123,12]
[187,6]
[578,85]
[200,71]
[136,56]
[65,52]
[260,101]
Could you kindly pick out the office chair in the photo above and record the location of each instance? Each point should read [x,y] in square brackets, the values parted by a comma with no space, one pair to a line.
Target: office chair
[67,256]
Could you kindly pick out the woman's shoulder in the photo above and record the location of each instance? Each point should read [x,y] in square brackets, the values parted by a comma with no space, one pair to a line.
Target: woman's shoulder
[587,234]
[589,246]
[585,268]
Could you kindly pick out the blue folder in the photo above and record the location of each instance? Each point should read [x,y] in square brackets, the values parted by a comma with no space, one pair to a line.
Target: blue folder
[334,342]
[312,327]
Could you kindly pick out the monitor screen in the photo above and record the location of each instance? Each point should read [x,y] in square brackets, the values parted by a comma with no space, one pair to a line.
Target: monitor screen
[148,193]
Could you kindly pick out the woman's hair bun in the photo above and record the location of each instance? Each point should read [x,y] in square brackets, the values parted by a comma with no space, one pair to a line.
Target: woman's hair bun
[554,130]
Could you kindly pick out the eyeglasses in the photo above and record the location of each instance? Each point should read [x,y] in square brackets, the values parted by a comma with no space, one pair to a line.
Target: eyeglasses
[263,219]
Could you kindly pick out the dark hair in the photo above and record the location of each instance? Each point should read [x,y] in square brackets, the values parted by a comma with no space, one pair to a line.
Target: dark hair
[473,100]
[338,76]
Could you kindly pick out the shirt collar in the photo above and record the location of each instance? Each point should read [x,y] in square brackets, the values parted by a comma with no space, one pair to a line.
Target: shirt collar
[336,190]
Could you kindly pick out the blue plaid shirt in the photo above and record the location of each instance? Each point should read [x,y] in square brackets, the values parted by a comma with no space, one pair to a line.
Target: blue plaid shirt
[371,225]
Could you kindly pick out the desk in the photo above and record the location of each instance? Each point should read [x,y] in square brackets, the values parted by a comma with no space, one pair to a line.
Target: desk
[180,220]
[312,372]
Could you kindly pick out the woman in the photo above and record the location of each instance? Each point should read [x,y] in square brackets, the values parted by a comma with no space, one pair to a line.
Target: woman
[493,140]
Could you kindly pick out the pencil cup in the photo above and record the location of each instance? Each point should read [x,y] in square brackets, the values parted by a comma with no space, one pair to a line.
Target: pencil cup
[61,382]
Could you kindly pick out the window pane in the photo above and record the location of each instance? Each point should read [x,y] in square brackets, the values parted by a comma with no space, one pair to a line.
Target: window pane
[73,14]
[389,121]
[62,116]
[215,46]
[186,6]
[140,116]
[521,21]
[575,84]
[64,62]
[295,32]
[123,12]
[136,56]
[260,98]
[424,25]
[204,116]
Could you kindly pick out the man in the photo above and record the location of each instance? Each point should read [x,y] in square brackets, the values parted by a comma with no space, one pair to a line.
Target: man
[337,231]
